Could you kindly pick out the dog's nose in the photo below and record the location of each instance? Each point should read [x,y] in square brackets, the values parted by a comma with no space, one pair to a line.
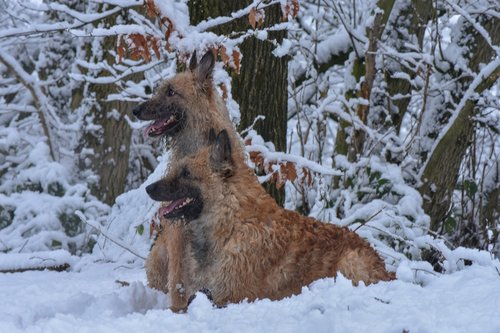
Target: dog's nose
[150,189]
[137,110]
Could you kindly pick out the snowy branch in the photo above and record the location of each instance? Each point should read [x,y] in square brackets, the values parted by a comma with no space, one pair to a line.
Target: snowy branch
[486,77]
[107,236]
[23,77]
[82,18]
[476,26]
[211,23]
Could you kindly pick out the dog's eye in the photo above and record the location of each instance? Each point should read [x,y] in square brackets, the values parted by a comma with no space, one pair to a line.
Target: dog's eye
[170,92]
[185,173]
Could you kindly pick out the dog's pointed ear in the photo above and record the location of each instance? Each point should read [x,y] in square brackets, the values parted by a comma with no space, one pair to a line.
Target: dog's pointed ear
[193,62]
[205,67]
[222,160]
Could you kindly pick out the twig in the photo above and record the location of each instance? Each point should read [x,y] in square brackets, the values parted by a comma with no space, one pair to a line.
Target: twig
[57,268]
[116,241]
[368,220]
[24,78]
[22,247]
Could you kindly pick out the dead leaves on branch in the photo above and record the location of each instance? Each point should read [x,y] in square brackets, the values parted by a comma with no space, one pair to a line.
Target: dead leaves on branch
[232,60]
[137,46]
[290,8]
[256,17]
[280,171]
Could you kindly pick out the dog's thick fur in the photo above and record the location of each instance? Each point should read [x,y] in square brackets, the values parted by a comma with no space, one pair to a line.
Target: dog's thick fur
[192,100]
[242,245]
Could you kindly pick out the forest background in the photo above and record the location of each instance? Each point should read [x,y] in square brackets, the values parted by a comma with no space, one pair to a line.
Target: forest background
[382,116]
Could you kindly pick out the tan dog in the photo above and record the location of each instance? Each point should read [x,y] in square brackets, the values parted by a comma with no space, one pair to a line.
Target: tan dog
[183,110]
[241,244]
[186,107]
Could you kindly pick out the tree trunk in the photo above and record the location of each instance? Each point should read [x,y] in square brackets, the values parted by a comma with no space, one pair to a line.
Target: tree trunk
[261,86]
[356,138]
[105,143]
[441,170]
[409,26]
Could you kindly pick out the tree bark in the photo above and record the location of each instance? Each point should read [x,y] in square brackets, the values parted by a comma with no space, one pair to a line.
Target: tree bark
[367,74]
[409,25]
[105,143]
[441,170]
[261,86]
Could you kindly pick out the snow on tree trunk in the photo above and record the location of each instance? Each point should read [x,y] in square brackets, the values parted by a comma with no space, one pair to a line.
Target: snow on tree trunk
[260,87]
[453,136]
[105,143]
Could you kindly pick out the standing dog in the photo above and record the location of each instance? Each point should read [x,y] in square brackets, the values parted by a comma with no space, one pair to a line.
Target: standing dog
[182,110]
[240,243]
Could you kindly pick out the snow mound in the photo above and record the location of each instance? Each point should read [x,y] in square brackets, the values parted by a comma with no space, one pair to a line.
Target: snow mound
[92,301]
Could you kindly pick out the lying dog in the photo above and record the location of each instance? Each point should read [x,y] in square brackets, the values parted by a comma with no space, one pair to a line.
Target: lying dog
[239,243]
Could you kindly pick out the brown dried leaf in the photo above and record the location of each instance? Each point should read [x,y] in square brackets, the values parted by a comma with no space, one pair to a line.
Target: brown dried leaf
[285,9]
[280,181]
[270,168]
[274,178]
[151,9]
[139,47]
[236,59]
[120,49]
[252,17]
[135,54]
[291,172]
[304,175]
[259,163]
[223,55]
[224,91]
[170,28]
[253,156]
[295,8]
[154,45]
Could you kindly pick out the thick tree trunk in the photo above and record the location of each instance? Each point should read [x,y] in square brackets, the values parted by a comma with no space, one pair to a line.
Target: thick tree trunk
[405,29]
[441,170]
[351,143]
[261,86]
[105,143]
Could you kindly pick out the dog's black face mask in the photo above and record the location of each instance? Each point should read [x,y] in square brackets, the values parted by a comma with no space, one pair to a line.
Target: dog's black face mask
[168,118]
[181,201]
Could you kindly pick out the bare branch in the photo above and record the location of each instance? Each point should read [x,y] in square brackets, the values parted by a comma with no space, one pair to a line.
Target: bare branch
[35,91]
[105,235]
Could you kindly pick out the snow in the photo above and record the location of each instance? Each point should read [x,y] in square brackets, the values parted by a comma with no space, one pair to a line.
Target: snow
[16,261]
[91,298]
[43,199]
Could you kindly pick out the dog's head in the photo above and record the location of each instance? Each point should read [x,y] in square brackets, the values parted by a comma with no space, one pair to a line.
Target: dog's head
[196,181]
[169,107]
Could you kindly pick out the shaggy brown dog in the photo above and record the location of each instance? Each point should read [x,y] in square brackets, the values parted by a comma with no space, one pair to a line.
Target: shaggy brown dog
[241,244]
[186,107]
[183,110]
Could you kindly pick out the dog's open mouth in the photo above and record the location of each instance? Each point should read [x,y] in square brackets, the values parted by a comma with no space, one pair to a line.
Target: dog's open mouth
[161,126]
[177,208]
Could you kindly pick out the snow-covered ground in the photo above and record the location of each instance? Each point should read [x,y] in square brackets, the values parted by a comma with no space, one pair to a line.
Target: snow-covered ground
[89,299]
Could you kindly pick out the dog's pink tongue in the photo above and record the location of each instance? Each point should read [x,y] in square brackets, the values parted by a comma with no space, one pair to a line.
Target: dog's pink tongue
[169,208]
[152,128]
